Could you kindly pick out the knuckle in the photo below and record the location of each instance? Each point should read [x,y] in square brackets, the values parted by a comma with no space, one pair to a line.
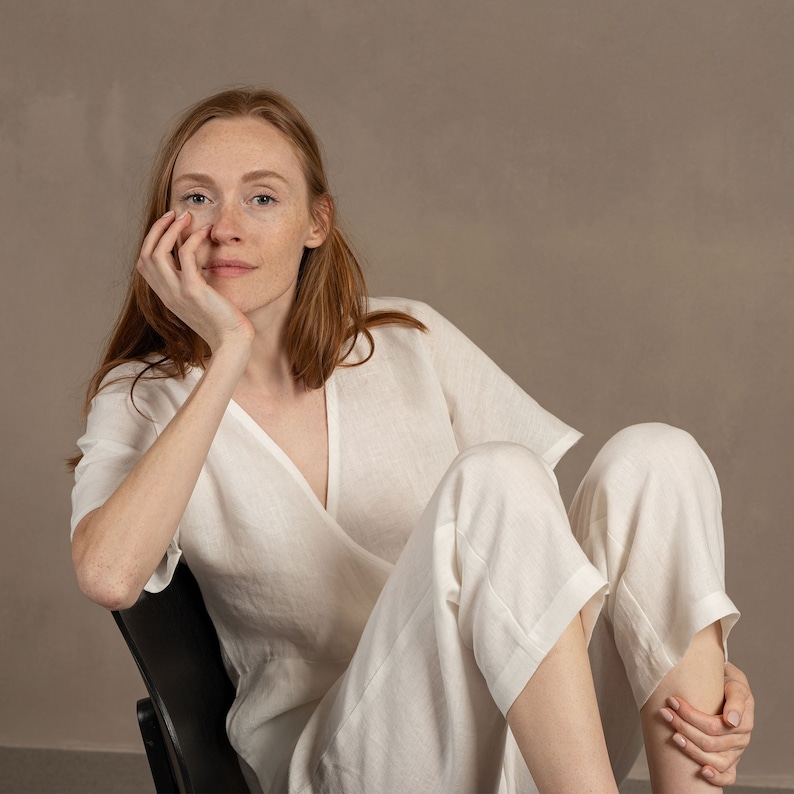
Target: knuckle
[722,765]
[708,744]
[733,755]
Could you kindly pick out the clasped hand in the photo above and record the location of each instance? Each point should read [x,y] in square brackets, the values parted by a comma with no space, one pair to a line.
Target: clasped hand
[715,742]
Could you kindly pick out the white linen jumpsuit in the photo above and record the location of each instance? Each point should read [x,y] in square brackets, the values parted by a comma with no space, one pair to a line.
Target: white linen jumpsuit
[377,642]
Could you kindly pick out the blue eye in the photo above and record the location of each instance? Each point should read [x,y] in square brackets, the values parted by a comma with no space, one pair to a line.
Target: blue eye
[195,198]
[263,200]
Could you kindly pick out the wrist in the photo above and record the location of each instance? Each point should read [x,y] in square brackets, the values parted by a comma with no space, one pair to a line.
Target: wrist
[233,354]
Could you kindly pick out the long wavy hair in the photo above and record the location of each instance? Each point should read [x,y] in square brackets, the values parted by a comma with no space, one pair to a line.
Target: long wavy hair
[330,309]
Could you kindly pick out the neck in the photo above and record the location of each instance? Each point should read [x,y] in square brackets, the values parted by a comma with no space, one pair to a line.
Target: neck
[269,371]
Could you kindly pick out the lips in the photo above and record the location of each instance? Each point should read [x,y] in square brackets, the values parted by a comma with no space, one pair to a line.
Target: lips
[228,267]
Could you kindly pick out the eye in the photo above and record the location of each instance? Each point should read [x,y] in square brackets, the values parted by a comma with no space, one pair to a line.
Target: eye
[262,200]
[196,199]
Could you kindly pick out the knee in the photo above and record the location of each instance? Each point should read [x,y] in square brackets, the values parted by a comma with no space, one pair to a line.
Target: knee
[499,476]
[502,462]
[656,450]
[653,481]
[502,493]
[651,436]
[651,503]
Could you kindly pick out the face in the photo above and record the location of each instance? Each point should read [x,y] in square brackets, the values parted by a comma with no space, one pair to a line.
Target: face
[242,177]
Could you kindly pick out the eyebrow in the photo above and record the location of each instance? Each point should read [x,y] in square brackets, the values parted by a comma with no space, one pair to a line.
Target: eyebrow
[251,176]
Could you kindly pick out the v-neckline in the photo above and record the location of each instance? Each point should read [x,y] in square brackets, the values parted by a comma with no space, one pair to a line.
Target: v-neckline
[332,441]
[328,513]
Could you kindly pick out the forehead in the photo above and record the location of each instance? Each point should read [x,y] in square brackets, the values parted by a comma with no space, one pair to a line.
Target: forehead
[231,147]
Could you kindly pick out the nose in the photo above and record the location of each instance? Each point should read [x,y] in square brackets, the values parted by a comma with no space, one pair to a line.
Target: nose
[226,224]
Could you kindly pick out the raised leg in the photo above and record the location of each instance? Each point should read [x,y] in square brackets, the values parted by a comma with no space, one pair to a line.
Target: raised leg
[648,516]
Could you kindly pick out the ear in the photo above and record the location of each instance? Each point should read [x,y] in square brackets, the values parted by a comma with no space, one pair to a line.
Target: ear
[322,214]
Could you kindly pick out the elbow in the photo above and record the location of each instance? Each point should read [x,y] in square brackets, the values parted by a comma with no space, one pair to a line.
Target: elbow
[107,592]
[110,589]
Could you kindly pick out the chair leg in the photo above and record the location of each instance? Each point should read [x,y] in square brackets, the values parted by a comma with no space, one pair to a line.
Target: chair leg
[156,751]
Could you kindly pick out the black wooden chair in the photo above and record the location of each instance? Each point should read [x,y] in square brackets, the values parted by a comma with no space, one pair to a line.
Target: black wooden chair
[183,722]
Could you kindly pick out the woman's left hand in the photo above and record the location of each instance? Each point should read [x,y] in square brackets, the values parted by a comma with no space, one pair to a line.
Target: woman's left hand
[716,742]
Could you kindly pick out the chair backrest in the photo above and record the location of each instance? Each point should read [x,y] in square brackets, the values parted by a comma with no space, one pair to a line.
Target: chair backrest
[176,648]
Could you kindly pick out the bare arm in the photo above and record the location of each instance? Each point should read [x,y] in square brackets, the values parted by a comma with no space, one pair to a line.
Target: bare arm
[117,547]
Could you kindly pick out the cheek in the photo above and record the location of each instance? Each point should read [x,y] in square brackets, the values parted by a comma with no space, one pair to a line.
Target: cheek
[198,221]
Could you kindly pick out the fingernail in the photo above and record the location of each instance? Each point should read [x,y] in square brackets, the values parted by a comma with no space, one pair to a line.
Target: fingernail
[707,773]
[166,214]
[667,716]
[182,215]
[679,740]
[673,703]
[733,718]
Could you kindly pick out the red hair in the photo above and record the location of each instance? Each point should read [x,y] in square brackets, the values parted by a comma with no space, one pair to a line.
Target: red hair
[330,309]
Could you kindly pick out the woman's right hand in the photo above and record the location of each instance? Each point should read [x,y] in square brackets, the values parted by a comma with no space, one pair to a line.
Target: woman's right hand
[178,282]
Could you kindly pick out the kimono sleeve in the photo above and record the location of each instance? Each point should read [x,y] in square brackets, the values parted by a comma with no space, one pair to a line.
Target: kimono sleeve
[117,433]
[484,403]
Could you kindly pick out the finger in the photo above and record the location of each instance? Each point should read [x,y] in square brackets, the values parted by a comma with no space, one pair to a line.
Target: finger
[186,252]
[721,762]
[737,695]
[706,731]
[156,232]
[156,262]
[728,742]
[717,778]
[165,245]
[706,723]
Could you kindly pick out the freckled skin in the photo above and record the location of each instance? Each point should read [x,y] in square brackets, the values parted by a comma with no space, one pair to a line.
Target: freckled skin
[264,221]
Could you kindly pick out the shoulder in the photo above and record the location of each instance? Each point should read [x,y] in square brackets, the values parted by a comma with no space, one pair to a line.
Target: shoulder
[129,370]
[438,327]
[148,383]
[417,309]
[442,336]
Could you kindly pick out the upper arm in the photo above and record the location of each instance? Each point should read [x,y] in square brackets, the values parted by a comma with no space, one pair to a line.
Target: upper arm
[117,434]
[79,536]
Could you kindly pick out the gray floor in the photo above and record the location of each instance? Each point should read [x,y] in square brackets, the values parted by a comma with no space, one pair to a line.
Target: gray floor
[27,771]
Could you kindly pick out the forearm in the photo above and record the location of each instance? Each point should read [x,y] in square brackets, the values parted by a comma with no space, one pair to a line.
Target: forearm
[117,547]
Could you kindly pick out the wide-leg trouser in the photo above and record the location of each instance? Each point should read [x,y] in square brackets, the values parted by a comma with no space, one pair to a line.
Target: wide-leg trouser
[648,516]
[483,589]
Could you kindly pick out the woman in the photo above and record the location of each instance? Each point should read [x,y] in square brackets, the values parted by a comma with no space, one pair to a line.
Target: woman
[368,505]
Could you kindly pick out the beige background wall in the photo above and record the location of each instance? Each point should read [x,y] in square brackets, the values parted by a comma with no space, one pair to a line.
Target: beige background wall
[599,192]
